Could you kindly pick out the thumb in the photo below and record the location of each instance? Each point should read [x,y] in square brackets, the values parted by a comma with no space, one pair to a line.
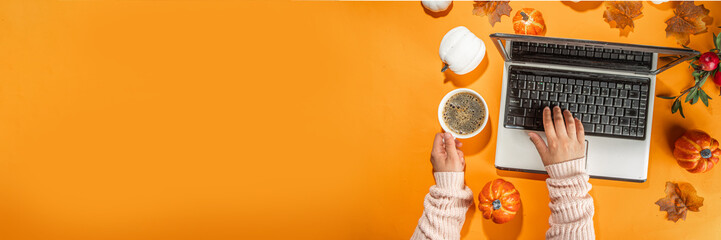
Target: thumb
[450,144]
[538,142]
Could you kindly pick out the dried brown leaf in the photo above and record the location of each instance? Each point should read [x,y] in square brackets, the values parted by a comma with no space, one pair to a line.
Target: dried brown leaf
[493,9]
[620,14]
[680,197]
[688,19]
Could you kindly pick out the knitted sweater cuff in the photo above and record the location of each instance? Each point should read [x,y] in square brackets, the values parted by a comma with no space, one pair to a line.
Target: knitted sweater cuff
[449,180]
[567,169]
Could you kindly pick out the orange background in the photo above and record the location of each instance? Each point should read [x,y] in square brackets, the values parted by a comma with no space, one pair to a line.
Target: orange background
[283,120]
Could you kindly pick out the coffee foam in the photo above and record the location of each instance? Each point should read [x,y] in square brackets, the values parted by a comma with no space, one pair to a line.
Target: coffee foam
[463,113]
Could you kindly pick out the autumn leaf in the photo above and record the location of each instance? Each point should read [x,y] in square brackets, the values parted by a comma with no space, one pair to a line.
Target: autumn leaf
[493,9]
[688,19]
[620,14]
[680,197]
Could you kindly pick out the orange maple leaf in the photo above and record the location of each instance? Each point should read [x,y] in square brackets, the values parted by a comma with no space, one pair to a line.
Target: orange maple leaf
[493,9]
[620,14]
[680,197]
[688,19]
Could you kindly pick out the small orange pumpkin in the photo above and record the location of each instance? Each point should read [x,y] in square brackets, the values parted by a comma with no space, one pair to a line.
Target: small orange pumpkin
[529,21]
[696,151]
[499,201]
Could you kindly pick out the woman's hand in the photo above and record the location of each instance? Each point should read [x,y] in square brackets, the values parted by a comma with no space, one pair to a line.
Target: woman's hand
[565,138]
[445,156]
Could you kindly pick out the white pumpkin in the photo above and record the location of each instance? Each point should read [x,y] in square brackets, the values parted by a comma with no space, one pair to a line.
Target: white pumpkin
[461,50]
[436,5]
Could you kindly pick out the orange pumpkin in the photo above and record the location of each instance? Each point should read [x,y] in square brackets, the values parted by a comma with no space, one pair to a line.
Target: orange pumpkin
[499,201]
[696,151]
[529,21]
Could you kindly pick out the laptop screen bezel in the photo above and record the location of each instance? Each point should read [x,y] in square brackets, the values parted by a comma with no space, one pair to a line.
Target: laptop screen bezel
[684,54]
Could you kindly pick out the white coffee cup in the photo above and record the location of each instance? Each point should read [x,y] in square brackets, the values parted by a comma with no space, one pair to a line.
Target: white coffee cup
[443,104]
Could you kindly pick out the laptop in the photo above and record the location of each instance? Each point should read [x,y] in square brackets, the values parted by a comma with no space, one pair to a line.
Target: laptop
[609,86]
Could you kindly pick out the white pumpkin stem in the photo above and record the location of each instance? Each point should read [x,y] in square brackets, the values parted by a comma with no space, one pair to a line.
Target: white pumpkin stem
[445,67]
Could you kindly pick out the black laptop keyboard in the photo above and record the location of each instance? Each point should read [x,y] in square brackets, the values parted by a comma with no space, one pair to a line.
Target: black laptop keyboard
[608,105]
[582,55]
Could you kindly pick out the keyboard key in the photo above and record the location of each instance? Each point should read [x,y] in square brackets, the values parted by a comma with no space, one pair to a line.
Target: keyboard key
[582,108]
[608,102]
[627,103]
[577,89]
[618,102]
[610,111]
[544,96]
[552,96]
[591,109]
[614,121]
[514,102]
[581,99]
[605,120]
[608,129]
[549,87]
[529,122]
[599,128]
[590,99]
[571,98]
[525,94]
[589,127]
[599,101]
[632,131]
[586,118]
[562,97]
[616,130]
[624,121]
[630,112]
[619,112]
[604,92]
[633,94]
[595,118]
[516,111]
[595,91]
[613,92]
[526,103]
[624,131]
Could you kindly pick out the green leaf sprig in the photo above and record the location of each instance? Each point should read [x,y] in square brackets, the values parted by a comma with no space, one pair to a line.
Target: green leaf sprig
[696,93]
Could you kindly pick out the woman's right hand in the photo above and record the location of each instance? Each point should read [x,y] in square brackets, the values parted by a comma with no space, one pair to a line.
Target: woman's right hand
[446,155]
[566,139]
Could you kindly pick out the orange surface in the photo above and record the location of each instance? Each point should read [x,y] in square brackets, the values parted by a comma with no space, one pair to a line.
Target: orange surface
[281,120]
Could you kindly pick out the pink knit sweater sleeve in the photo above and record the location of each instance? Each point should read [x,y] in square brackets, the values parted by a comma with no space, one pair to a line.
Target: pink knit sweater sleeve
[445,208]
[571,205]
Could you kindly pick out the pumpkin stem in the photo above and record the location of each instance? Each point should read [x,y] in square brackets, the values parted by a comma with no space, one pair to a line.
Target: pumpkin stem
[496,204]
[445,67]
[525,16]
[706,153]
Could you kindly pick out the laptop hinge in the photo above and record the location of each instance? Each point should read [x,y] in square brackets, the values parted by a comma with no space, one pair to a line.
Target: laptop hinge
[579,69]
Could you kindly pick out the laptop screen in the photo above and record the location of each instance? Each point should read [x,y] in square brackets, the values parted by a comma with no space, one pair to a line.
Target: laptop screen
[587,53]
